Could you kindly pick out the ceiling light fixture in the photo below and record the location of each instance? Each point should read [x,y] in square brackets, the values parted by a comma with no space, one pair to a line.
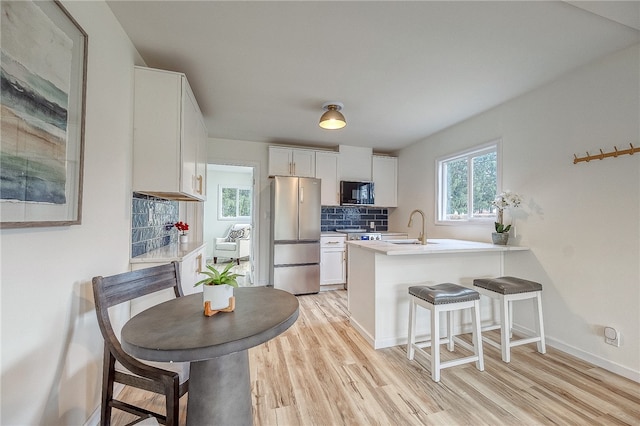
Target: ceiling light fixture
[332,119]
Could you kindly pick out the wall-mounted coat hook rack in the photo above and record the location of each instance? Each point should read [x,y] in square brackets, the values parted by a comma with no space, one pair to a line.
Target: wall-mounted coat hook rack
[602,155]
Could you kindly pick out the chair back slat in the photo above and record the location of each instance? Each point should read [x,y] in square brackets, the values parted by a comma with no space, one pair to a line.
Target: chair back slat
[116,289]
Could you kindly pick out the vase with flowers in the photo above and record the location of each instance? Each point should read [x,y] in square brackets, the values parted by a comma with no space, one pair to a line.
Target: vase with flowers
[183,227]
[505,200]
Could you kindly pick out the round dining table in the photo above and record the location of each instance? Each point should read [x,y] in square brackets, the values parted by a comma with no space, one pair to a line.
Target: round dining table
[216,347]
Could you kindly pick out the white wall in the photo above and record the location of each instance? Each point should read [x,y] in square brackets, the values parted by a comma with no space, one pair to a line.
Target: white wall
[213,226]
[582,222]
[51,345]
[256,155]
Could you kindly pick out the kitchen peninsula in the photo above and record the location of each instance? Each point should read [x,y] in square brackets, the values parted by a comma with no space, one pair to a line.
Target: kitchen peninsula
[380,273]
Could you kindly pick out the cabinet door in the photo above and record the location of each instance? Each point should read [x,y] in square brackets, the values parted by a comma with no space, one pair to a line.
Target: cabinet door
[190,269]
[191,135]
[291,162]
[304,163]
[327,172]
[157,131]
[201,161]
[355,163]
[333,266]
[280,161]
[385,179]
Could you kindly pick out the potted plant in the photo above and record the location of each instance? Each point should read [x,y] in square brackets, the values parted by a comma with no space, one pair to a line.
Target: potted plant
[218,286]
[503,201]
[183,227]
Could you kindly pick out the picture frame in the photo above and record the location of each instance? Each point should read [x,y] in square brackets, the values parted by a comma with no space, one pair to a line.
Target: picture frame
[44,71]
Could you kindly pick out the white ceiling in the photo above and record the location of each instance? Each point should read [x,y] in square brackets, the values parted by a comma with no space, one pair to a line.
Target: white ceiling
[403,69]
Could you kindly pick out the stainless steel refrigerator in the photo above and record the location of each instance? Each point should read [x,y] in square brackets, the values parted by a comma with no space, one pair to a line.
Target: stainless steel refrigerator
[295,234]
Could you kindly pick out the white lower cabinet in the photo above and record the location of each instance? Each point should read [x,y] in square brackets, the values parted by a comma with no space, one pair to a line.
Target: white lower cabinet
[190,269]
[333,265]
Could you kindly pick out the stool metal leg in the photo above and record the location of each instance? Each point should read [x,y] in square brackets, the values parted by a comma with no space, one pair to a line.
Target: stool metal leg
[435,344]
[412,328]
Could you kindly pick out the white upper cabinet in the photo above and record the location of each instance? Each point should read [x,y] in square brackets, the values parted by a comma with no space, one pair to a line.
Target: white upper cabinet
[327,172]
[385,180]
[169,149]
[291,162]
[355,163]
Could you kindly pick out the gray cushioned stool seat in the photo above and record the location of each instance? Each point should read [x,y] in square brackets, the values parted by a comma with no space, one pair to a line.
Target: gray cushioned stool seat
[508,285]
[444,293]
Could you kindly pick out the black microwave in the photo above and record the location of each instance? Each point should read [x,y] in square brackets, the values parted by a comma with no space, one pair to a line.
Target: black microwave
[356,193]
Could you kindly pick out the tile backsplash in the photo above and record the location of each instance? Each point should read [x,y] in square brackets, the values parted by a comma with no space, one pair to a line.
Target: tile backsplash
[333,218]
[152,222]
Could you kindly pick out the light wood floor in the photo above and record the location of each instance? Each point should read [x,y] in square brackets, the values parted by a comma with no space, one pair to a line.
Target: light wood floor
[321,372]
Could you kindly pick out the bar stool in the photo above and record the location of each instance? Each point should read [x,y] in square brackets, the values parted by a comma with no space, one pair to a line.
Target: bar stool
[448,298]
[508,290]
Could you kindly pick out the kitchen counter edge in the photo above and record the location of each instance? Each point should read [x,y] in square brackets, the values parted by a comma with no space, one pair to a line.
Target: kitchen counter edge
[436,246]
[168,253]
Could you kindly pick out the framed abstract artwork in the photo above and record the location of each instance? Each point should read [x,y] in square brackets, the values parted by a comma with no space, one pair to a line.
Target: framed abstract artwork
[42,96]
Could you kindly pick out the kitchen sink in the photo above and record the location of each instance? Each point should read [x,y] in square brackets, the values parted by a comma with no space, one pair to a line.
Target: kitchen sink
[404,241]
[408,241]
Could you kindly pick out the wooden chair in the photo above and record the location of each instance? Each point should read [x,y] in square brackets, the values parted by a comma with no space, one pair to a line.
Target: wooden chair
[169,379]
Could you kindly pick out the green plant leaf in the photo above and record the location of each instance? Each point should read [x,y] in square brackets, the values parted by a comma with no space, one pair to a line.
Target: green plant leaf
[216,277]
[500,228]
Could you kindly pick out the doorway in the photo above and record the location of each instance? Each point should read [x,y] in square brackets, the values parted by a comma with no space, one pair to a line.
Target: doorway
[230,206]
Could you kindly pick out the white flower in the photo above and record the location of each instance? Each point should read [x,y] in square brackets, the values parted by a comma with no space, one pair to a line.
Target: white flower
[507,199]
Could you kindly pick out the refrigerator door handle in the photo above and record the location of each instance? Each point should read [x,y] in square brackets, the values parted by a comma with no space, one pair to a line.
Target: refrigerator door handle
[302,195]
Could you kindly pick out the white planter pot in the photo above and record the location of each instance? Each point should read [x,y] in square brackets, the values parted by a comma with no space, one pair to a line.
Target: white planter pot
[218,295]
[184,239]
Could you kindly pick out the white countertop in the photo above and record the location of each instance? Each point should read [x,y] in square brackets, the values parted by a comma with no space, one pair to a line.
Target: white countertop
[168,253]
[433,247]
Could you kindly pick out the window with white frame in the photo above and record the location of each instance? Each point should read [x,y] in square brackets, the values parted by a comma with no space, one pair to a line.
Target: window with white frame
[467,184]
[234,202]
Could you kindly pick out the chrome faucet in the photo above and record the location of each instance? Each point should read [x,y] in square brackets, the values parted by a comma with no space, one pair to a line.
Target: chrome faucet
[423,235]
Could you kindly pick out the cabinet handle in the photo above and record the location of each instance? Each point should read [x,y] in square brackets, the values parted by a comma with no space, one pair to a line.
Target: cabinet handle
[294,168]
[199,267]
[333,242]
[199,178]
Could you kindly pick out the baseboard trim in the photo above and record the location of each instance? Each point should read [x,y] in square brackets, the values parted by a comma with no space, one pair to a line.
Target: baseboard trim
[613,367]
[370,340]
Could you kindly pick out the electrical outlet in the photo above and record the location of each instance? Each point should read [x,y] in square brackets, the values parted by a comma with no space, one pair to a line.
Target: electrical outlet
[372,225]
[612,336]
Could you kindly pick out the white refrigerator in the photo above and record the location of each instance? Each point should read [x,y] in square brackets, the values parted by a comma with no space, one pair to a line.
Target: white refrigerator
[295,234]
